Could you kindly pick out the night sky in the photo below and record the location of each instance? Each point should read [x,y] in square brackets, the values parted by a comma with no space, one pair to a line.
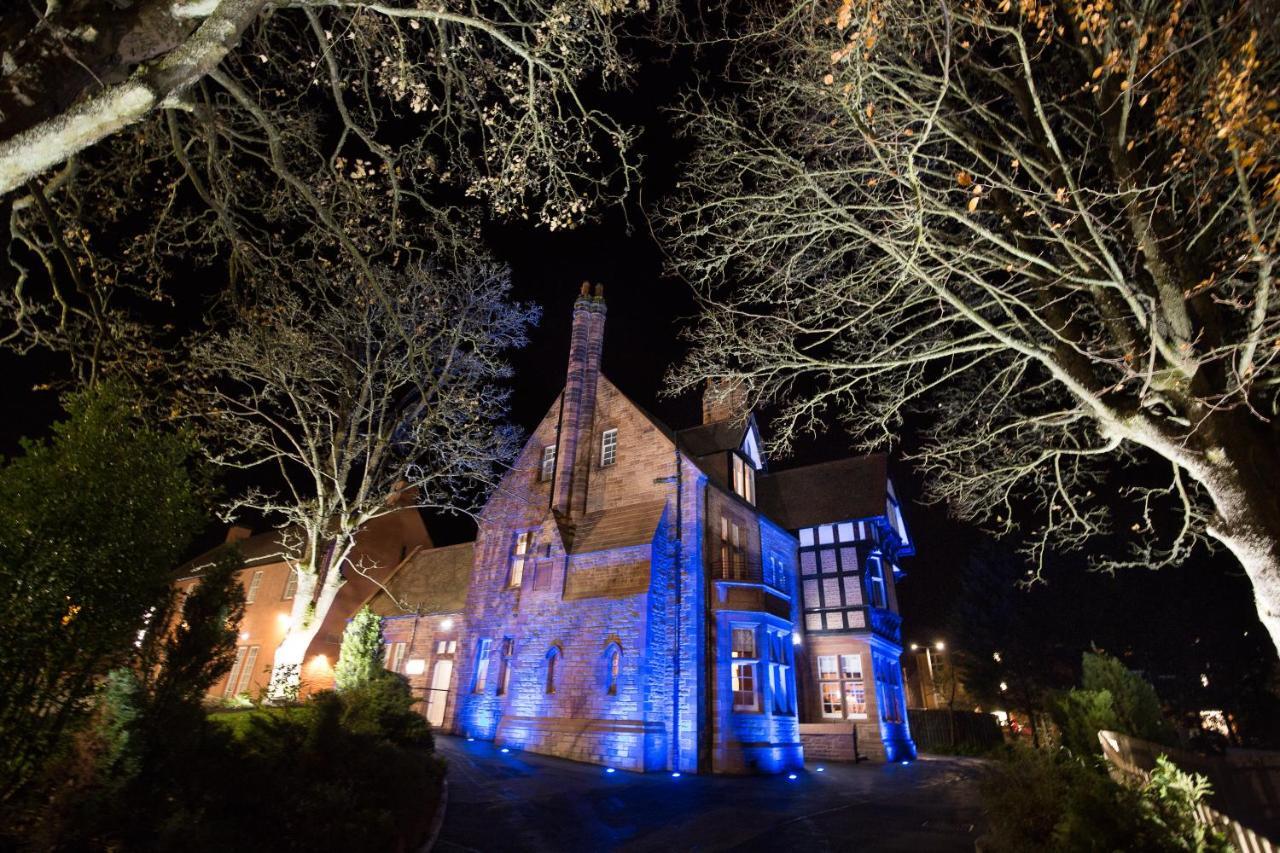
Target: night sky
[1177,621]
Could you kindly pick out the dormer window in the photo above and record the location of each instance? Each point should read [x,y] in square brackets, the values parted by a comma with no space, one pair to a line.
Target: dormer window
[744,479]
[548,462]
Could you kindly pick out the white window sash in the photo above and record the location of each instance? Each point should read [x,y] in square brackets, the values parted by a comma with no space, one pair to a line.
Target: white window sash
[246,671]
[254,583]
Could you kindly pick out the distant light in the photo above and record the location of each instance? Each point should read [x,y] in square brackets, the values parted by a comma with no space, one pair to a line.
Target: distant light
[995,656]
[940,646]
[796,639]
[791,776]
[1004,685]
[1204,679]
[820,769]
[446,625]
[675,775]
[610,770]
[914,646]
[504,749]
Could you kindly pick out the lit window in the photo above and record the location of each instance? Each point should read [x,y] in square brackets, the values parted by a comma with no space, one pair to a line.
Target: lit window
[744,479]
[609,447]
[504,664]
[548,461]
[290,585]
[482,666]
[733,564]
[553,658]
[806,537]
[842,687]
[519,553]
[744,643]
[254,583]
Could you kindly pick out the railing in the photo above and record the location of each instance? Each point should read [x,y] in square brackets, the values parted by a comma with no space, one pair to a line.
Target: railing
[886,623]
[737,569]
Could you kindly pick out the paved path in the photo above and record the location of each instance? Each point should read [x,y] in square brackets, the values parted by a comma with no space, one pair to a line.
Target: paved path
[520,801]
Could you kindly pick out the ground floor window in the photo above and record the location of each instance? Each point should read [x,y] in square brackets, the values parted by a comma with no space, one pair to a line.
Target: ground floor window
[241,671]
[394,657]
[482,666]
[842,687]
[743,675]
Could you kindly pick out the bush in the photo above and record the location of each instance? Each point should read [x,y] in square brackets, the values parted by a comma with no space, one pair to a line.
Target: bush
[1041,800]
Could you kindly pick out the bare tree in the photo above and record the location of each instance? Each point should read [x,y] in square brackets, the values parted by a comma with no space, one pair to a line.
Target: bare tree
[360,411]
[351,133]
[1048,226]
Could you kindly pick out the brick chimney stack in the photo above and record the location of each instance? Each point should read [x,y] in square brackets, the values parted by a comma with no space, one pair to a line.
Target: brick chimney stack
[724,400]
[238,533]
[577,412]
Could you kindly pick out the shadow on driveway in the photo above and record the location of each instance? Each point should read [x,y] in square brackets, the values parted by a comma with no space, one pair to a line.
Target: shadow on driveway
[520,801]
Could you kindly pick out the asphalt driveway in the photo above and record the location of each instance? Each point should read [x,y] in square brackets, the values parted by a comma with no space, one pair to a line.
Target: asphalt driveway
[519,801]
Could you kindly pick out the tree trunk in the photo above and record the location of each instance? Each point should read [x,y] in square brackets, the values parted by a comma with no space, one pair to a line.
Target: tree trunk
[311,603]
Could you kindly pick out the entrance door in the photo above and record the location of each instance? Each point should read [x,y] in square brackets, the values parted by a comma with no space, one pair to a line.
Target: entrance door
[438,694]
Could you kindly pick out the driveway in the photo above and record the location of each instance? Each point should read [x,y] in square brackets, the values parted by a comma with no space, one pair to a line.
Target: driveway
[519,801]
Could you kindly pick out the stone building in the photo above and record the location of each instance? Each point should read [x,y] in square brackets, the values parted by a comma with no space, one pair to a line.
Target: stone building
[653,599]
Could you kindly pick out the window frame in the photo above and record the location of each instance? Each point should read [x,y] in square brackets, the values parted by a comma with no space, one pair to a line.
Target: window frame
[744,478]
[547,465]
[480,678]
[506,653]
[255,583]
[609,449]
[290,585]
[521,548]
[843,683]
[612,668]
[553,657]
[744,668]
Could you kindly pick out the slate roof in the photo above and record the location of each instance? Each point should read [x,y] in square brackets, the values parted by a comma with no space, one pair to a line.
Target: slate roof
[617,527]
[429,580]
[258,550]
[831,491]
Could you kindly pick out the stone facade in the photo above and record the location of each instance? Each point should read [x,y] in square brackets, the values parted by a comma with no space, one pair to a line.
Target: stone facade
[655,600]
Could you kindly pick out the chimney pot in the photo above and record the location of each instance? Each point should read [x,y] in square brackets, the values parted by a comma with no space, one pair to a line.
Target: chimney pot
[586,288]
[238,533]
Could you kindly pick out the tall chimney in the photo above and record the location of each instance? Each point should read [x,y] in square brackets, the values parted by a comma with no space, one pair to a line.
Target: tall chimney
[577,413]
[724,400]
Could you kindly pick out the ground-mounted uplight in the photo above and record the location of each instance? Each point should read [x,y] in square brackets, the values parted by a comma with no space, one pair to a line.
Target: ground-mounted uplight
[905,763]
[611,770]
[675,775]
[820,770]
[470,739]
[791,776]
[504,749]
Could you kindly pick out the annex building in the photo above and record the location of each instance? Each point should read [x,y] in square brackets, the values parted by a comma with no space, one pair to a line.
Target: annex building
[643,597]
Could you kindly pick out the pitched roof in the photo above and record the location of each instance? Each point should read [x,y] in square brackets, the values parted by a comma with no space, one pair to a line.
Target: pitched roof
[429,580]
[259,550]
[617,527]
[821,494]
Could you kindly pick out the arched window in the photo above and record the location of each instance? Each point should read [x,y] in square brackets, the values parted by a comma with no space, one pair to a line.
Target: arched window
[612,666]
[553,657]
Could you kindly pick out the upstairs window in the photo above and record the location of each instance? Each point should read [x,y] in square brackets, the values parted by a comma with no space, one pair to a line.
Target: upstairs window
[553,657]
[744,479]
[608,447]
[875,575]
[519,554]
[733,563]
[252,594]
[548,462]
[290,585]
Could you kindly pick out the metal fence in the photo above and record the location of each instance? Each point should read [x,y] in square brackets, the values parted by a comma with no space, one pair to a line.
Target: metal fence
[973,732]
